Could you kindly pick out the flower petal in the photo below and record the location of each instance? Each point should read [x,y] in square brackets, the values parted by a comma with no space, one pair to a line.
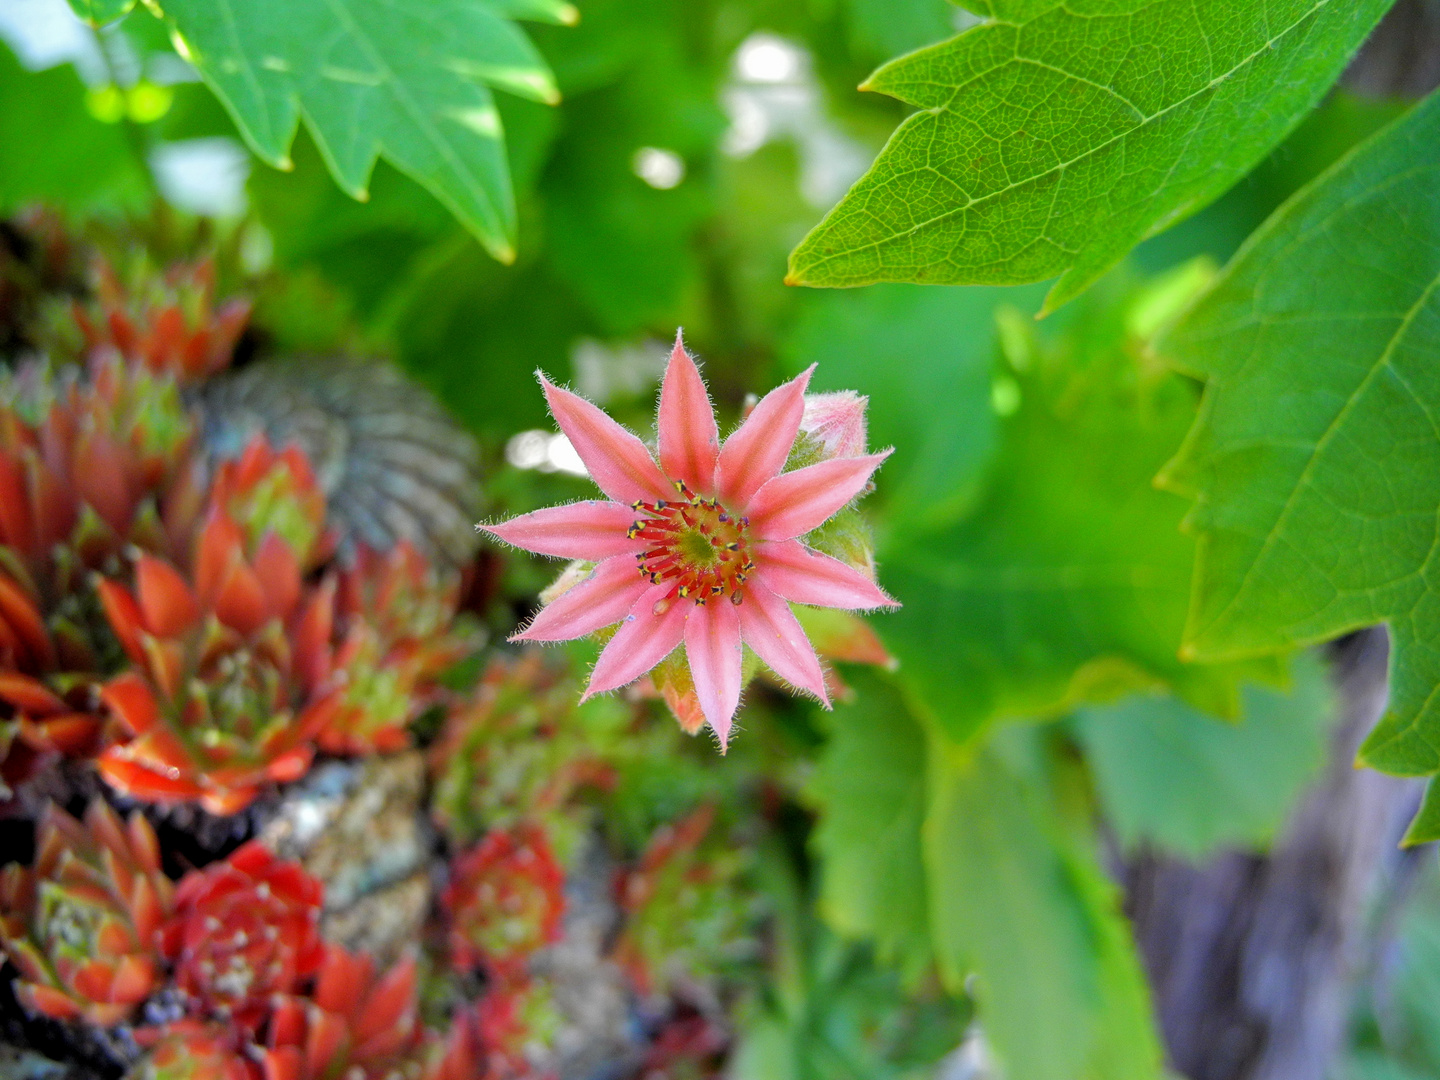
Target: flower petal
[601,599]
[617,460]
[771,629]
[803,575]
[642,641]
[689,436]
[757,449]
[592,529]
[712,647]
[795,502]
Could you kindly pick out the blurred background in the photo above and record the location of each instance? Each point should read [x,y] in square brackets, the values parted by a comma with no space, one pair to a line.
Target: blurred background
[1213,815]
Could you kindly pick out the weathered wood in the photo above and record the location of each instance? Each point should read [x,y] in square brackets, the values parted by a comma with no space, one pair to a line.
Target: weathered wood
[1252,956]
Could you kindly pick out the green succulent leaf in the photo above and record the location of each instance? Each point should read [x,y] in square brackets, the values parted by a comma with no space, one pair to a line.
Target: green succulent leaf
[1170,775]
[99,12]
[1315,461]
[1055,136]
[1014,900]
[409,81]
[1068,579]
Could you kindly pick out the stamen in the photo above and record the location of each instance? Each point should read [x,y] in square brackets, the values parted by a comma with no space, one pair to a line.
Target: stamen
[695,545]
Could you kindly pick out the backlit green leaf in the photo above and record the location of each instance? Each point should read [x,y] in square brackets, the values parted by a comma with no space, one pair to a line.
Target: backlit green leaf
[1012,899]
[409,81]
[923,357]
[100,12]
[1316,458]
[1055,136]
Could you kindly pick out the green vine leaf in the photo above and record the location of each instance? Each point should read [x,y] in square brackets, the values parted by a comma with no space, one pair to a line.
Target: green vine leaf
[1016,901]
[409,81]
[1055,136]
[1315,461]
[99,12]
[1068,579]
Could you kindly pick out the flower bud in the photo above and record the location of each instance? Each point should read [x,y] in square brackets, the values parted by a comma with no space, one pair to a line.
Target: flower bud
[837,422]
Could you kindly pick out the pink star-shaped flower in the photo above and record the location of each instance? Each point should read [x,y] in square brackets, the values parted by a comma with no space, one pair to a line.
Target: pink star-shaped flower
[702,547]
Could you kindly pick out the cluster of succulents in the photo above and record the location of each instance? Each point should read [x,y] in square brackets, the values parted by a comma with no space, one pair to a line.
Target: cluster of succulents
[186,631]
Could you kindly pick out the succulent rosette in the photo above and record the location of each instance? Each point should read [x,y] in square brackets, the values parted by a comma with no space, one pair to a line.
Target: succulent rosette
[395,611]
[81,923]
[192,1050]
[682,910]
[511,753]
[168,324]
[700,544]
[505,900]
[233,676]
[79,481]
[357,1024]
[273,497]
[244,930]
[230,684]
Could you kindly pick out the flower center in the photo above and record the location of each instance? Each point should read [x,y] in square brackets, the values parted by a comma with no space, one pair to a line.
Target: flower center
[695,545]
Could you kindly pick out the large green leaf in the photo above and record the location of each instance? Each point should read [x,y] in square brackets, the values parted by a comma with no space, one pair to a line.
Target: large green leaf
[870,786]
[1171,775]
[1055,136]
[373,77]
[1015,900]
[1068,579]
[1316,458]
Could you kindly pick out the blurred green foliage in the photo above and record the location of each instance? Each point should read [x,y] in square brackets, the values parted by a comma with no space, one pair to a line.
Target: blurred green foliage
[946,820]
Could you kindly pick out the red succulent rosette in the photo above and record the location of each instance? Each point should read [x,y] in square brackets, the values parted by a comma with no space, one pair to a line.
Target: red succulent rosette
[83,459]
[244,930]
[232,676]
[681,910]
[356,1024]
[192,1050]
[396,610]
[169,324]
[505,900]
[80,479]
[273,493]
[80,924]
[487,1038]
